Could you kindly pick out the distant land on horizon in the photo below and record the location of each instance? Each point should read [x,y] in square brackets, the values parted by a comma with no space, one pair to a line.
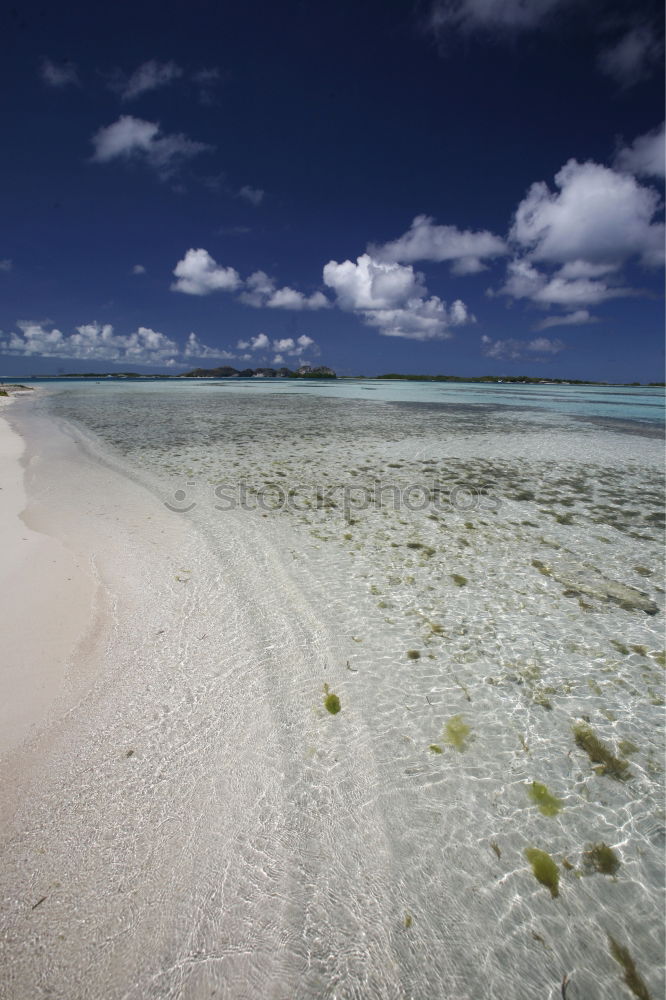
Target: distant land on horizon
[323,372]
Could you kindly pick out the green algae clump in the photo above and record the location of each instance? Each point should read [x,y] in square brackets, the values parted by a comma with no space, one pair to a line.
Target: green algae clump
[632,977]
[331,701]
[545,870]
[602,859]
[457,732]
[435,748]
[460,581]
[600,754]
[543,800]
[413,654]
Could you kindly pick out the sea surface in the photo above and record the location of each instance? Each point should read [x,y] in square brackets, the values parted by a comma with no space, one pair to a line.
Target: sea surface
[476,575]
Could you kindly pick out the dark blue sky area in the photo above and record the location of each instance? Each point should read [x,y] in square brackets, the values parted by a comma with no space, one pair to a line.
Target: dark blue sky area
[457,186]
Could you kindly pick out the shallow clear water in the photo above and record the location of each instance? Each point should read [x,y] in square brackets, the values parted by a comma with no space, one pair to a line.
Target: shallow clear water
[635,403]
[491,571]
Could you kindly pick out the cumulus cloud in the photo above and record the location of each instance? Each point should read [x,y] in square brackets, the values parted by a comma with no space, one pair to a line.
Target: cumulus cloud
[568,287]
[258,343]
[6,264]
[580,317]
[138,269]
[424,240]
[572,243]
[294,347]
[260,291]
[254,195]
[91,342]
[511,349]
[58,75]
[545,346]
[598,215]
[633,57]
[195,349]
[492,15]
[289,298]
[134,139]
[646,155]
[370,284]
[579,291]
[198,274]
[149,76]
[392,297]
[257,289]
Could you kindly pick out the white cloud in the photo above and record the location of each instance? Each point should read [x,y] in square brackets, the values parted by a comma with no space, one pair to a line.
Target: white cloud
[195,349]
[633,57]
[91,342]
[492,15]
[392,298]
[564,288]
[518,350]
[278,360]
[646,155]
[7,264]
[284,344]
[581,317]
[138,269]
[294,347]
[149,76]
[370,284]
[258,343]
[288,298]
[260,292]
[58,75]
[257,289]
[598,215]
[426,241]
[132,138]
[254,195]
[579,291]
[586,269]
[199,274]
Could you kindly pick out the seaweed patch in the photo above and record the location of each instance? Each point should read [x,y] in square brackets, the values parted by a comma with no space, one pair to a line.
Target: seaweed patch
[457,733]
[544,869]
[599,753]
[546,803]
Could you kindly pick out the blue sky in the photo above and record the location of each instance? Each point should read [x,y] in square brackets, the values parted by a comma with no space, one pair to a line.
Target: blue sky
[455,186]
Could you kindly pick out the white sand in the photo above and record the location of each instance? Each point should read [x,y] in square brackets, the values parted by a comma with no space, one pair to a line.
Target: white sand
[47,594]
[192,824]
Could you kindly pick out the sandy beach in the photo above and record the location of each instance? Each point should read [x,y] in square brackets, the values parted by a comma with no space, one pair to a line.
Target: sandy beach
[149,822]
[48,593]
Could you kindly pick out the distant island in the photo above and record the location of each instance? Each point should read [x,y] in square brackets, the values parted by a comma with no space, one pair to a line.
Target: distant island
[323,372]
[520,379]
[305,371]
